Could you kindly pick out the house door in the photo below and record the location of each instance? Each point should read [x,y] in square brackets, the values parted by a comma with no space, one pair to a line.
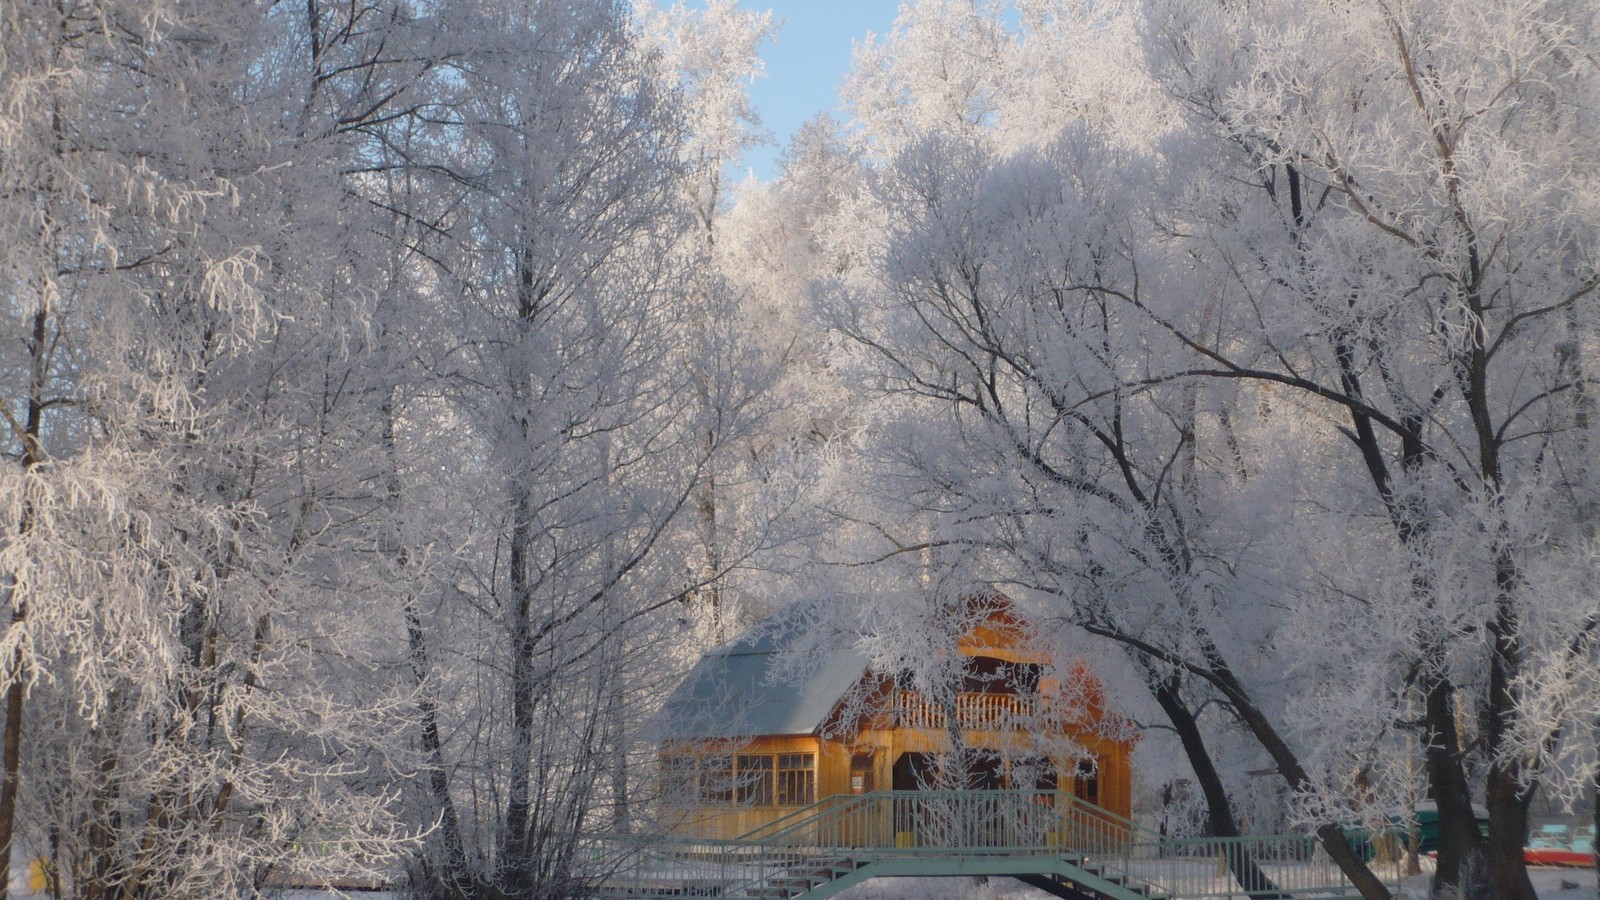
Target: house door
[862,780]
[1036,823]
[986,771]
[914,771]
[911,772]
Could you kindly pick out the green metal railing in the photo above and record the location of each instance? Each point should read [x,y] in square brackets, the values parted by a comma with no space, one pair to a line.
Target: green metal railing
[840,840]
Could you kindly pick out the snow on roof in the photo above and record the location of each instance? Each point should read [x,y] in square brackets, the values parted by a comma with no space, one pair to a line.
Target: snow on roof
[751,685]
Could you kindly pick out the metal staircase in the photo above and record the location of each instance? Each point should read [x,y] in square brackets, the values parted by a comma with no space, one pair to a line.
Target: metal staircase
[1049,839]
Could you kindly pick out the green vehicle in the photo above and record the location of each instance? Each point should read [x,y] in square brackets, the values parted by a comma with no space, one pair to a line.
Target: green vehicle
[1428,825]
[1427,815]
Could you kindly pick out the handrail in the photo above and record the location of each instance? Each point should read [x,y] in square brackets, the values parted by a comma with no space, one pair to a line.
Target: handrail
[1050,819]
[800,814]
[828,807]
[840,834]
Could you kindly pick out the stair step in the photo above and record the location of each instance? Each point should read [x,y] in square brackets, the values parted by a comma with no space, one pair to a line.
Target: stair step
[804,877]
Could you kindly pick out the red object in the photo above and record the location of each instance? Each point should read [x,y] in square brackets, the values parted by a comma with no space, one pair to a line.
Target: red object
[1555,856]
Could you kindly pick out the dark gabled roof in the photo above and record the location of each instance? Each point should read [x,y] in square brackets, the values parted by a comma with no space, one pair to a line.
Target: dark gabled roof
[751,686]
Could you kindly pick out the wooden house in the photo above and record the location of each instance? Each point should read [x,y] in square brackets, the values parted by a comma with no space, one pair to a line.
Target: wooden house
[744,743]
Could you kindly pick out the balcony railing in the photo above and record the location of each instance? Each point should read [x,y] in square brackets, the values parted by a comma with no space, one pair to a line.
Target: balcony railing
[974,711]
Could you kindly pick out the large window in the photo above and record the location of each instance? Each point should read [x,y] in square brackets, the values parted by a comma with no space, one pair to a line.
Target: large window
[747,779]
[797,779]
[680,779]
[716,780]
[755,780]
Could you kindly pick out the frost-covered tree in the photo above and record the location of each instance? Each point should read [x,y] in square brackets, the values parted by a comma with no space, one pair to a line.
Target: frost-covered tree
[348,434]
[1014,72]
[558,274]
[1349,288]
[939,69]
[987,247]
[709,58]
[183,459]
[1410,257]
[993,332]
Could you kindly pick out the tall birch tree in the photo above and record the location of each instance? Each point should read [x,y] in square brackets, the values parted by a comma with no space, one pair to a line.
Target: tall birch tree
[186,455]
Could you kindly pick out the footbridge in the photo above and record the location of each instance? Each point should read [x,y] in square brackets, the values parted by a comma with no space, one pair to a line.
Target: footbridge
[1051,840]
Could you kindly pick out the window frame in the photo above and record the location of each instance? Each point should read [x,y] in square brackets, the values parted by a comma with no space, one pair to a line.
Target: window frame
[755,779]
[717,780]
[796,779]
[762,779]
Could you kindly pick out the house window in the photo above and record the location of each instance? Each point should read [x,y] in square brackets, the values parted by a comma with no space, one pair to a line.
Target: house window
[748,779]
[1086,781]
[680,779]
[797,779]
[755,780]
[716,780]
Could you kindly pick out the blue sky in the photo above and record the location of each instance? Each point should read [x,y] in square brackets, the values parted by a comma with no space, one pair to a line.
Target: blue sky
[807,62]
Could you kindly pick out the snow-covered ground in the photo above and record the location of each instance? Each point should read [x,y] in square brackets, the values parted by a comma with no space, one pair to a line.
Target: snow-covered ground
[1552,884]
[324,895]
[1564,884]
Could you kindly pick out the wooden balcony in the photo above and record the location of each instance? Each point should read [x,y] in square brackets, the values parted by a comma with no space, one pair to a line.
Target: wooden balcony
[974,711]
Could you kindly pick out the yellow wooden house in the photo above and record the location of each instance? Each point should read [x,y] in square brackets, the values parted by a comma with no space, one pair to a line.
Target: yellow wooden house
[745,743]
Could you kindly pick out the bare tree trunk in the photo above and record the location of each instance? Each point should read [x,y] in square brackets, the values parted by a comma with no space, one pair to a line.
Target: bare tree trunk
[1505,794]
[1219,811]
[615,744]
[1217,673]
[515,864]
[453,881]
[1508,830]
[11,743]
[515,868]
[12,760]
[1459,841]
[709,588]
[1331,836]
[1509,788]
